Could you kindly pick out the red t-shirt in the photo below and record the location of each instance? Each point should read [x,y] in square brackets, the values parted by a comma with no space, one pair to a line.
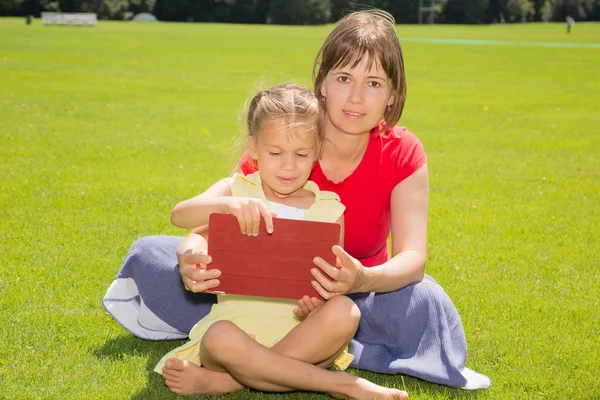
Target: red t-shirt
[391,157]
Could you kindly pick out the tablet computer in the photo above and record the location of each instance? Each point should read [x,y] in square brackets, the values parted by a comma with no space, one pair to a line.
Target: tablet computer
[270,265]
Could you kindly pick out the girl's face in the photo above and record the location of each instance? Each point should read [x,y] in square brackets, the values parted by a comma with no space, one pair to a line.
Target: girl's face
[286,156]
[356,98]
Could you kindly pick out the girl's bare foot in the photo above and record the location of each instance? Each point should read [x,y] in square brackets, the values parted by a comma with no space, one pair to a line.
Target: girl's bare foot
[367,390]
[187,379]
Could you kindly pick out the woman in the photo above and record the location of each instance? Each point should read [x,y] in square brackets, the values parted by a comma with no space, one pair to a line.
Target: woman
[408,324]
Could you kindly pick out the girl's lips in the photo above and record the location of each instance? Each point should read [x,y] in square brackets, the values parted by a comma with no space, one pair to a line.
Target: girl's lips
[286,181]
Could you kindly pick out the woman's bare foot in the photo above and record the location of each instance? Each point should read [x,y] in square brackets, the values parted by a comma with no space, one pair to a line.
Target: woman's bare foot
[187,379]
[366,390]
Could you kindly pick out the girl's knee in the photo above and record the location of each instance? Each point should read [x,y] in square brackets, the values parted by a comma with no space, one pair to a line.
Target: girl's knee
[221,338]
[342,312]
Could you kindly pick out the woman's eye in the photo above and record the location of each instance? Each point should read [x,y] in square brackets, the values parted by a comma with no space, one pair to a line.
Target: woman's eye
[374,84]
[343,79]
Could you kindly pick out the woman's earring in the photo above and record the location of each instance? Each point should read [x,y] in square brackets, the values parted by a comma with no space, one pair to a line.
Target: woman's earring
[323,99]
[389,108]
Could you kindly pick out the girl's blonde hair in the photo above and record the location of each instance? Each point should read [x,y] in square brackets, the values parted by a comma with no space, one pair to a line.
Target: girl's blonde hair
[370,35]
[293,103]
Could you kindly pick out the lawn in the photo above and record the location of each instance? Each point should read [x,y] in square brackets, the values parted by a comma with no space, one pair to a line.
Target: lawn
[103,130]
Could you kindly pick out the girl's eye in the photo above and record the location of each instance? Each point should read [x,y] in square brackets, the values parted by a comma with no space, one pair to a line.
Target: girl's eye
[302,155]
[274,154]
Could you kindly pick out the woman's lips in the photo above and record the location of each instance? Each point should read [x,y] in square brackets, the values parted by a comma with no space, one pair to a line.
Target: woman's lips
[352,114]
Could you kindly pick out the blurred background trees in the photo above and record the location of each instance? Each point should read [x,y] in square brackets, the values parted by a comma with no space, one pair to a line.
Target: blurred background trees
[313,12]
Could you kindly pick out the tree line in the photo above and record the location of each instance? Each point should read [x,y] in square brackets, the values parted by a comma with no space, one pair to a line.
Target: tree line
[314,12]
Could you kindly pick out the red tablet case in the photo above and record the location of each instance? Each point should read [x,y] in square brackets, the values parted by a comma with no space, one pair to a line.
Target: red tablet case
[269,265]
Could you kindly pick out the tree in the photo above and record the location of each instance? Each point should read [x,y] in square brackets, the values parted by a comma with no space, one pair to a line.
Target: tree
[339,8]
[546,11]
[250,11]
[466,11]
[519,9]
[300,12]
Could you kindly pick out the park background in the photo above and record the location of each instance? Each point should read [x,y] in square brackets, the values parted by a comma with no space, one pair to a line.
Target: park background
[104,129]
[314,12]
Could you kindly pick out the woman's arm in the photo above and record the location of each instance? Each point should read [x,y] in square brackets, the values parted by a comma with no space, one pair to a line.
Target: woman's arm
[409,238]
[409,247]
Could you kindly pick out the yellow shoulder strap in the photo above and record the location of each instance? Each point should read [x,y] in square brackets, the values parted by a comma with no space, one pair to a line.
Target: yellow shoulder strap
[247,186]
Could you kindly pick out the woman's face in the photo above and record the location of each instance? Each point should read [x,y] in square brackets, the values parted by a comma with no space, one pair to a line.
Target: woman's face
[356,98]
[285,156]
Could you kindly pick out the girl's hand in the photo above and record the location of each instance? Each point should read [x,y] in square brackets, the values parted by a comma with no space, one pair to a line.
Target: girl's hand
[248,212]
[306,305]
[346,274]
[193,267]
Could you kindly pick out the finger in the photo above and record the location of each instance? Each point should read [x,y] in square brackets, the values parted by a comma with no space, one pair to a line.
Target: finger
[309,304]
[267,216]
[204,274]
[323,281]
[248,221]
[322,292]
[316,302]
[298,313]
[240,217]
[203,286]
[303,307]
[255,211]
[327,268]
[196,257]
[346,259]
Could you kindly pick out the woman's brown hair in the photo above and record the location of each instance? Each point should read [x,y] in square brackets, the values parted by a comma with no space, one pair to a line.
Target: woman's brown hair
[370,35]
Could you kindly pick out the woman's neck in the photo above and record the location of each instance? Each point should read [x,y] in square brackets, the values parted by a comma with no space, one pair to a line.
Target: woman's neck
[341,147]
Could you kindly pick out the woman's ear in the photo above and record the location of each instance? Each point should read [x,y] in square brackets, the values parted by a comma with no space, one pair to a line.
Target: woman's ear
[391,100]
[322,89]
[251,145]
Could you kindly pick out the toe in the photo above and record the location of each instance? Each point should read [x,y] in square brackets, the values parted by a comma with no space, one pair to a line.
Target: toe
[173,363]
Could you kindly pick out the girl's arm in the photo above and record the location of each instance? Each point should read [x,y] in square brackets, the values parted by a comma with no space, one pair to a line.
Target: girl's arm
[217,199]
[194,212]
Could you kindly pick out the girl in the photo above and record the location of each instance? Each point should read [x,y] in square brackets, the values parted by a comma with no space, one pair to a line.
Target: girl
[408,324]
[255,341]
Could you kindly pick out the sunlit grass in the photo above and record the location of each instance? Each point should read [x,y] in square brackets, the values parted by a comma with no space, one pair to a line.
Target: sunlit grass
[104,129]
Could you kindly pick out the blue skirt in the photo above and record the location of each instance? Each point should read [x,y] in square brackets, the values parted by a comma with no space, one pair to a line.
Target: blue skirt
[414,331]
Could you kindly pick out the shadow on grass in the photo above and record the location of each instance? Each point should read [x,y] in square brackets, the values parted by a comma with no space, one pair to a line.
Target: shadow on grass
[127,345]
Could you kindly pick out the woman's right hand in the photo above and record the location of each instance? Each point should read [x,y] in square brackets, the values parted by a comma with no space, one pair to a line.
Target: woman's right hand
[193,267]
[248,212]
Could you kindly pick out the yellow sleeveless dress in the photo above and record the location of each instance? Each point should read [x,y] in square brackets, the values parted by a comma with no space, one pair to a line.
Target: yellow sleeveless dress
[266,320]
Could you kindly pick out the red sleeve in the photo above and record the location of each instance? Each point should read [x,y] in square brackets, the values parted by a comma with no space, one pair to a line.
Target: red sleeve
[247,164]
[409,156]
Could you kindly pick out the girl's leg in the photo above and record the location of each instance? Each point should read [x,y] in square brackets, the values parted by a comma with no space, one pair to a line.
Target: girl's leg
[225,347]
[340,315]
[320,338]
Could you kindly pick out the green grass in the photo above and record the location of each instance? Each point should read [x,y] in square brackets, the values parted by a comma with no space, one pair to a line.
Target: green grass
[103,130]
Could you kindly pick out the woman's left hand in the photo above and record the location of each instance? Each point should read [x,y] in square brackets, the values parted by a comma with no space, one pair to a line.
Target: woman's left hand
[346,274]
